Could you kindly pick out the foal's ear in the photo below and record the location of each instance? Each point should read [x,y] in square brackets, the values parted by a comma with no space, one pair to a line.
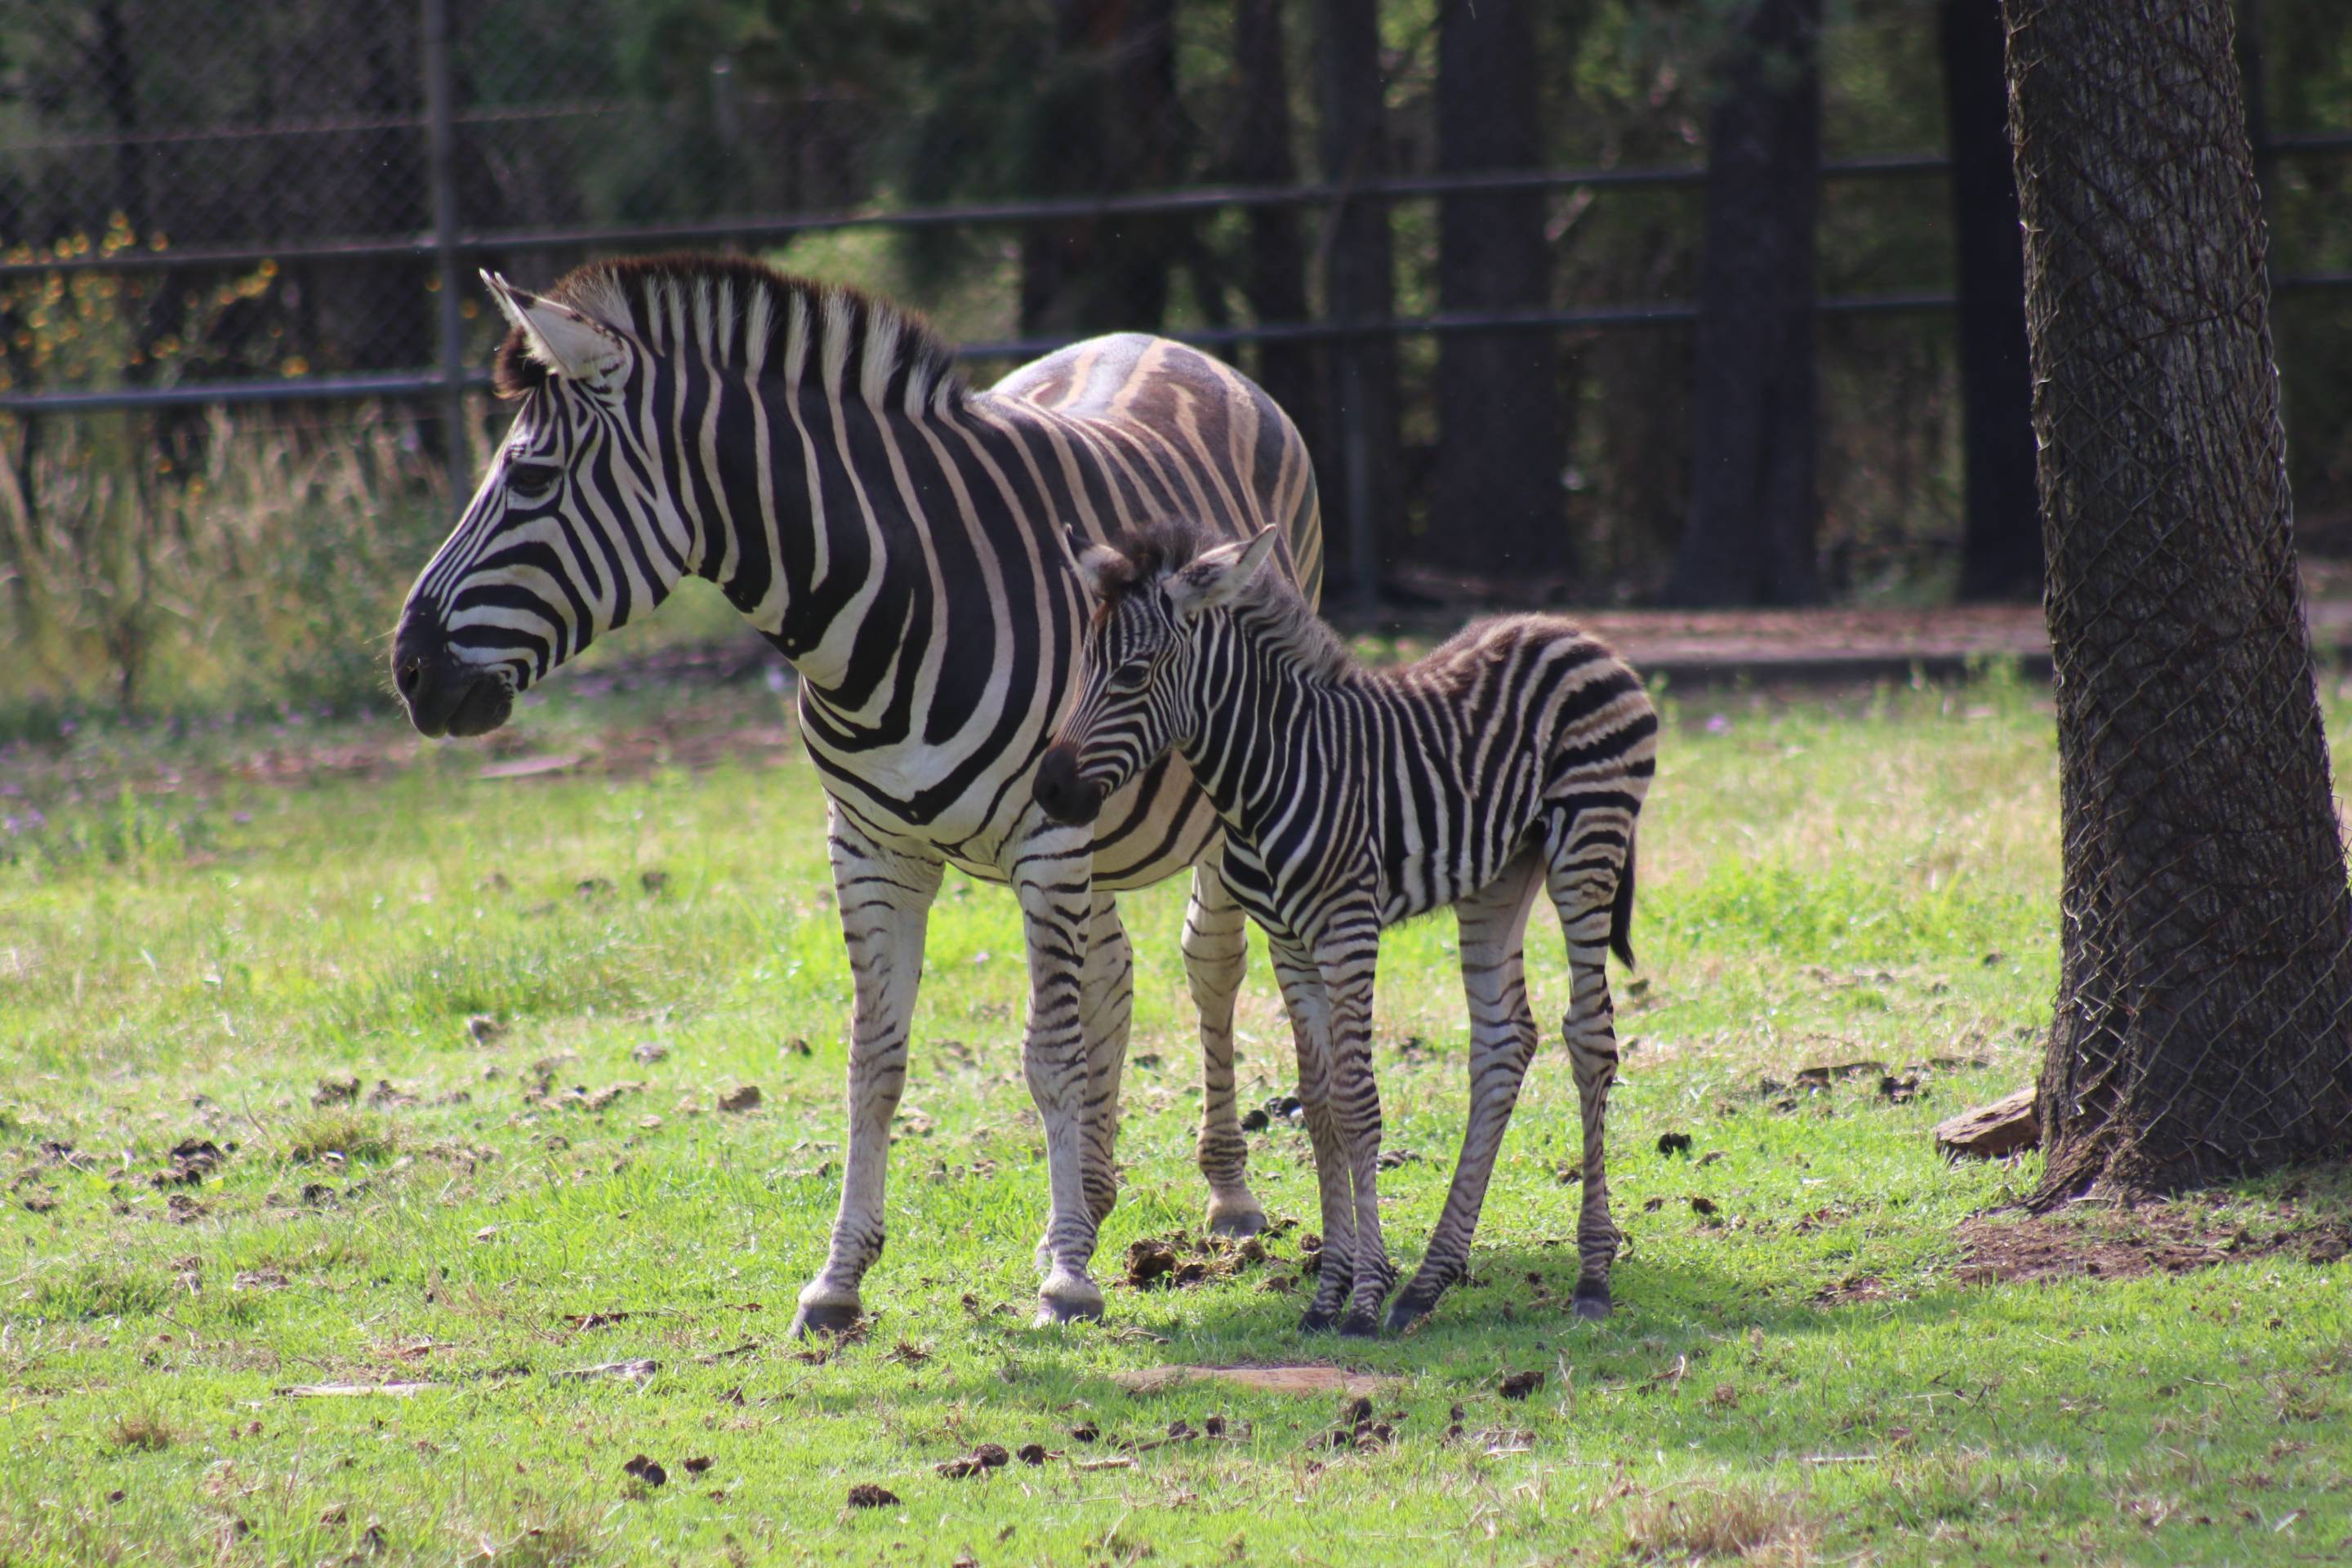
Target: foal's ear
[1218,576]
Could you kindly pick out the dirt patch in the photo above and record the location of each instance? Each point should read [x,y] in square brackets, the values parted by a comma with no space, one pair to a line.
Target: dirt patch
[1293,1377]
[1183,1261]
[1852,1291]
[2113,1242]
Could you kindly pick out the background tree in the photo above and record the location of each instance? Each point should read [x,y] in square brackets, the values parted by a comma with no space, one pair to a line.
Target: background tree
[2202,1017]
[1501,443]
[2000,541]
[1274,278]
[1754,509]
[1360,285]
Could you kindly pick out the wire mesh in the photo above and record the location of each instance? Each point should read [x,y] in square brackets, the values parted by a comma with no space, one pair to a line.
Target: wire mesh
[2206,990]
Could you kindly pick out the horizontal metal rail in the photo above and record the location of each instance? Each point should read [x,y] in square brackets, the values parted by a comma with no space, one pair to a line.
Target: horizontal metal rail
[1598,318]
[1150,203]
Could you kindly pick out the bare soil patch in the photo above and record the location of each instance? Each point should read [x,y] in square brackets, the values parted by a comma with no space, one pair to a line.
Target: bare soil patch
[2107,1241]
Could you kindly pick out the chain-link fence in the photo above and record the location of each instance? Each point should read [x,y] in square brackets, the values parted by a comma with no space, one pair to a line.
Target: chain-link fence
[2200,1024]
[278,207]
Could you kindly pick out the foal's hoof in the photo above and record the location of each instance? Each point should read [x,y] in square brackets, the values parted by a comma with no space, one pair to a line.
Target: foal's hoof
[1069,1298]
[1360,1326]
[1591,1302]
[825,1318]
[1316,1322]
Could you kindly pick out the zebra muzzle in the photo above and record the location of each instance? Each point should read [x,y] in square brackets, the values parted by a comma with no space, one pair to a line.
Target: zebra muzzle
[1064,796]
[445,697]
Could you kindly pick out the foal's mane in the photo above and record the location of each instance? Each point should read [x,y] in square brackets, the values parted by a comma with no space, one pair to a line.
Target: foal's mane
[1270,604]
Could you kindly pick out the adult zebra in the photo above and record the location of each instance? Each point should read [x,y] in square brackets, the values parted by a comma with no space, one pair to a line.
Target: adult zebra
[893,531]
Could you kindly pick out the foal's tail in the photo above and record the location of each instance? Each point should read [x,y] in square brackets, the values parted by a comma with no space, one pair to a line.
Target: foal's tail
[1620,911]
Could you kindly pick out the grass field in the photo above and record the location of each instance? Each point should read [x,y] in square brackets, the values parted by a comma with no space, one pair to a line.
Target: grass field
[274,944]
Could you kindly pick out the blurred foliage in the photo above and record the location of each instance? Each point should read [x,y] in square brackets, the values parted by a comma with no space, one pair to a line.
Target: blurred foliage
[576,111]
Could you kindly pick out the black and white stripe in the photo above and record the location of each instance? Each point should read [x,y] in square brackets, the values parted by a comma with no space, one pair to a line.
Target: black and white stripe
[893,530]
[1513,758]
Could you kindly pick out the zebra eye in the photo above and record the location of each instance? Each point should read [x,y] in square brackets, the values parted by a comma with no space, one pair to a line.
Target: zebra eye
[1132,676]
[533,481]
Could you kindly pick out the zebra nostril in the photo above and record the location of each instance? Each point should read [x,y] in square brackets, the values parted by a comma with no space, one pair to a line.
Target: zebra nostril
[410,675]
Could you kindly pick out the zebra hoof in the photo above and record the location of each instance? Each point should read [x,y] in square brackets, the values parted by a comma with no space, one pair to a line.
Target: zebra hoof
[1237,1223]
[1591,1302]
[825,1318]
[1408,1310]
[1360,1326]
[1069,1298]
[1316,1322]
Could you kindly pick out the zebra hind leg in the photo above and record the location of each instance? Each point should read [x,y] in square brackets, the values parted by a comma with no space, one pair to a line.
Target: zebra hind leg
[1216,954]
[1502,1043]
[1584,884]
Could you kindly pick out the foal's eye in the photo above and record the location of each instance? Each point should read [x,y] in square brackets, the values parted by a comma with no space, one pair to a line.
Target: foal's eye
[533,481]
[1132,676]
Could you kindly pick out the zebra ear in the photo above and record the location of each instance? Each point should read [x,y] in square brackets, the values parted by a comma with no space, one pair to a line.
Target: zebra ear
[572,344]
[1103,570]
[1219,575]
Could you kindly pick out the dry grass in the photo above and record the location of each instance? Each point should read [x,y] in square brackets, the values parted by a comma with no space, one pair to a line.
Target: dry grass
[1698,1524]
[143,1430]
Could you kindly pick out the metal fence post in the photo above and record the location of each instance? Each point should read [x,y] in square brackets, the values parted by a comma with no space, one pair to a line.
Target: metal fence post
[451,359]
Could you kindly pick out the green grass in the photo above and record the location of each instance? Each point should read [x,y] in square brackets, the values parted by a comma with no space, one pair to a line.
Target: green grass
[189,952]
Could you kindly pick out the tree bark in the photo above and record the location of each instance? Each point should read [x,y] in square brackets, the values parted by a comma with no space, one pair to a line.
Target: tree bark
[1755,450]
[1359,285]
[1496,502]
[2200,1022]
[2001,547]
[1275,278]
[1109,122]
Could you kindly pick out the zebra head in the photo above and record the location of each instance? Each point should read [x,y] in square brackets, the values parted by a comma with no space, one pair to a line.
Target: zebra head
[1142,660]
[567,536]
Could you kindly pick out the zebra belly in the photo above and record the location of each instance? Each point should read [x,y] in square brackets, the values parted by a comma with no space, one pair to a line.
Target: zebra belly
[1157,826]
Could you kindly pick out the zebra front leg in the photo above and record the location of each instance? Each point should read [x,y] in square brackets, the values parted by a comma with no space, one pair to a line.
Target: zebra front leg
[1107,1004]
[1216,955]
[886,901]
[1303,997]
[1583,885]
[1502,1044]
[1348,972]
[1052,878]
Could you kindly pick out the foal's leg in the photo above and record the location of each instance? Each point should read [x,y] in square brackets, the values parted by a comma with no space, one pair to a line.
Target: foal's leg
[1494,922]
[1587,862]
[1216,954]
[1349,961]
[1310,1025]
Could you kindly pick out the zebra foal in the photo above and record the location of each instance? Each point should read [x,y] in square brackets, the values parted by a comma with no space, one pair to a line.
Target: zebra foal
[1515,757]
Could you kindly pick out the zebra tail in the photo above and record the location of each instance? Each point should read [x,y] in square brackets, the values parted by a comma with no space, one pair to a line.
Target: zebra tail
[1620,911]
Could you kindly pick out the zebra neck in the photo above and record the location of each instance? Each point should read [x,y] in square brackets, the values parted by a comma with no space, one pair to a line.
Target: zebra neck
[1261,716]
[812,528]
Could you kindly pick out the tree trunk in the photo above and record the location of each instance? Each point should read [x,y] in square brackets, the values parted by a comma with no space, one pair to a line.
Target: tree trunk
[1496,502]
[1360,285]
[2001,548]
[2199,1029]
[1109,121]
[1753,510]
[1275,278]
